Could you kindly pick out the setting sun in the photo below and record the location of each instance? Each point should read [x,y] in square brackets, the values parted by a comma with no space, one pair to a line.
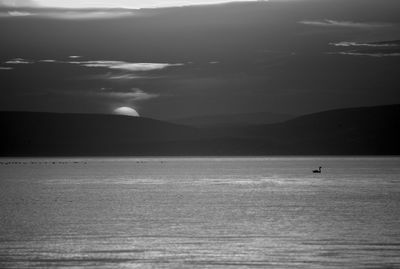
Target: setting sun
[126,111]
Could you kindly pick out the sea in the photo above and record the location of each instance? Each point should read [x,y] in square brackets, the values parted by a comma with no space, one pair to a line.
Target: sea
[264,212]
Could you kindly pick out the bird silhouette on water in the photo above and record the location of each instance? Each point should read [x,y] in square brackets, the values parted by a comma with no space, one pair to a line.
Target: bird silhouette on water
[317,171]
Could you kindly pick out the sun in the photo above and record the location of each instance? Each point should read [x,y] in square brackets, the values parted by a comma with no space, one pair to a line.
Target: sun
[126,111]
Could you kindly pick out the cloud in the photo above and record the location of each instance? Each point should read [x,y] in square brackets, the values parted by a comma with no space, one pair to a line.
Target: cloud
[127,66]
[355,44]
[86,15]
[130,95]
[377,55]
[377,49]
[346,24]
[114,65]
[134,94]
[122,71]
[19,13]
[122,77]
[61,14]
[133,4]
[48,61]
[5,68]
[18,61]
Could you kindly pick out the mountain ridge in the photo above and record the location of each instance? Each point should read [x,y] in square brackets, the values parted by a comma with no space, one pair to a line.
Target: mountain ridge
[350,131]
[236,119]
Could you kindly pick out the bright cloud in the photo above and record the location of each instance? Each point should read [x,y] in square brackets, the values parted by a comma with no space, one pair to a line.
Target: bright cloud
[134,4]
[5,68]
[355,44]
[376,55]
[18,61]
[19,13]
[134,94]
[126,96]
[124,77]
[348,24]
[86,15]
[69,14]
[48,61]
[113,65]
[120,65]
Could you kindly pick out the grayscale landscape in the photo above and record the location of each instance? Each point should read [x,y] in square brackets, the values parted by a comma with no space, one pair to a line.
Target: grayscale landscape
[200,134]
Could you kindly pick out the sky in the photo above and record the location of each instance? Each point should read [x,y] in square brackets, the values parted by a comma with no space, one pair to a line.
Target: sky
[282,56]
[131,4]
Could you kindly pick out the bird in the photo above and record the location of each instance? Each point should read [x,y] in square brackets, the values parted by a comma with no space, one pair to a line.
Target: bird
[317,171]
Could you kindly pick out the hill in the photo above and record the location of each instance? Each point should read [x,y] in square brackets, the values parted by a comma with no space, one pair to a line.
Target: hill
[354,131]
[364,130]
[231,120]
[32,133]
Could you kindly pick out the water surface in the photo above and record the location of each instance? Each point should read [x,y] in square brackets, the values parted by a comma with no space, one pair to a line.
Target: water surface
[200,213]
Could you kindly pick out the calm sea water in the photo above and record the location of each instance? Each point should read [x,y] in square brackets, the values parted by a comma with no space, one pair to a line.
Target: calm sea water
[200,213]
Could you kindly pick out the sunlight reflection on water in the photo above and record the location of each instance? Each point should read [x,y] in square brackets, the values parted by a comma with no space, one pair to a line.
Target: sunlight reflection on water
[201,213]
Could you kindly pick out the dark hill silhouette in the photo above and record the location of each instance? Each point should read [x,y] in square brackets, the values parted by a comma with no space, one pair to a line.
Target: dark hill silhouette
[231,120]
[365,130]
[35,133]
[354,131]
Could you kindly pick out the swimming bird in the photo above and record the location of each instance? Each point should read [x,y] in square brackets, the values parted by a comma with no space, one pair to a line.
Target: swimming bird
[317,171]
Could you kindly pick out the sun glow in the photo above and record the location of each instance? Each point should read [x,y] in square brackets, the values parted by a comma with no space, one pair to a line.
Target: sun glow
[126,111]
